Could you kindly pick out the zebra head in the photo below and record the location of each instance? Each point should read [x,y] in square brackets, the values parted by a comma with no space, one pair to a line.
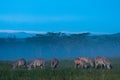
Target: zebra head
[54,63]
[19,63]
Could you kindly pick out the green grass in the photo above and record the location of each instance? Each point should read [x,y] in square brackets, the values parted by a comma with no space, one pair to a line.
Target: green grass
[65,71]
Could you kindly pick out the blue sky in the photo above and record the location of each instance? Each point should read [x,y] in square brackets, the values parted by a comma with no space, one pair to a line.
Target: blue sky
[60,15]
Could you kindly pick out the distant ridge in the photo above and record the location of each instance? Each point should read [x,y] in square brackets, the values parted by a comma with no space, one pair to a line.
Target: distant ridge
[18,33]
[24,33]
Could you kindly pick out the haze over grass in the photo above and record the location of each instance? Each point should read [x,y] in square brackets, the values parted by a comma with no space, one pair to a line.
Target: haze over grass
[60,45]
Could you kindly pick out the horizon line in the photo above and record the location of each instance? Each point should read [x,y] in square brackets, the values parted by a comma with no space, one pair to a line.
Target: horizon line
[44,32]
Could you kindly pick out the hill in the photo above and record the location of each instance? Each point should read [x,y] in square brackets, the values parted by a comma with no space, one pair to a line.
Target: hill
[61,45]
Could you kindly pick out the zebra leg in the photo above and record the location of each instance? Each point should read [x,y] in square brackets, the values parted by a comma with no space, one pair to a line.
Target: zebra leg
[96,65]
[108,66]
[76,66]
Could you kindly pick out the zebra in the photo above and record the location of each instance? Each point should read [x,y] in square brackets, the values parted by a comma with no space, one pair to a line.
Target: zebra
[102,62]
[19,63]
[36,63]
[54,63]
[79,63]
[87,61]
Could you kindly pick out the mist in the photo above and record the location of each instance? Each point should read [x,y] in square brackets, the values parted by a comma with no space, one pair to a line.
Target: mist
[56,46]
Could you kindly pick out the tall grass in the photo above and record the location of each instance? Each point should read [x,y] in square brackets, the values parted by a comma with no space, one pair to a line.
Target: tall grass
[65,71]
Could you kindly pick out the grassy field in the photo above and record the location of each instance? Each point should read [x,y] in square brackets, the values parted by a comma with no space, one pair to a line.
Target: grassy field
[65,71]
